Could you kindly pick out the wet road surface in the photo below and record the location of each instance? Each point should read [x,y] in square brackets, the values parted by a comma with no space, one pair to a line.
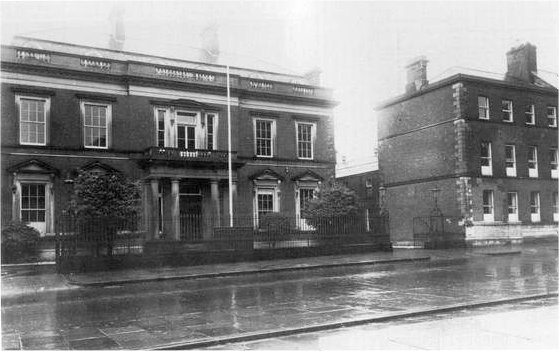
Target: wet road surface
[526,325]
[159,313]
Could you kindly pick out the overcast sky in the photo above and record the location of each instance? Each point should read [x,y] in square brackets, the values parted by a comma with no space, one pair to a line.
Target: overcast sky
[361,47]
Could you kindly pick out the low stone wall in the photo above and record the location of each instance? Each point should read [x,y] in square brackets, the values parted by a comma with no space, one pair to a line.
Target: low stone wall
[501,233]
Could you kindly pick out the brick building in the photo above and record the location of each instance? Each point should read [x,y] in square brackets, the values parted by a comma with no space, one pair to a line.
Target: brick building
[363,177]
[162,121]
[477,146]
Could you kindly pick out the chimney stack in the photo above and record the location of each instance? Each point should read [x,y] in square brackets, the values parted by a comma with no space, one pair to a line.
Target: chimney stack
[116,41]
[416,74]
[210,44]
[521,62]
[313,76]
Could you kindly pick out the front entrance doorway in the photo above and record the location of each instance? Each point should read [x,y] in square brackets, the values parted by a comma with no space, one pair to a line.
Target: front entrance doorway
[190,205]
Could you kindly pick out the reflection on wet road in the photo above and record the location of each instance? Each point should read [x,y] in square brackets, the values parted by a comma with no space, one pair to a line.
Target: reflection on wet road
[151,314]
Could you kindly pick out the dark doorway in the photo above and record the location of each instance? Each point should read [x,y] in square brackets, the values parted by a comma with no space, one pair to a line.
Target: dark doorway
[191,217]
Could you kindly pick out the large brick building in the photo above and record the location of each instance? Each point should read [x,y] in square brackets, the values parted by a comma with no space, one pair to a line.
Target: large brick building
[481,147]
[163,121]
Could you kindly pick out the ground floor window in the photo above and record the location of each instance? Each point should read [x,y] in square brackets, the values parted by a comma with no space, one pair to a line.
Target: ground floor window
[555,205]
[488,215]
[33,203]
[265,202]
[512,201]
[535,206]
[304,195]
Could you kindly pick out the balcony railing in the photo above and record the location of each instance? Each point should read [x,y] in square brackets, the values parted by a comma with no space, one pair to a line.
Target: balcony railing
[176,154]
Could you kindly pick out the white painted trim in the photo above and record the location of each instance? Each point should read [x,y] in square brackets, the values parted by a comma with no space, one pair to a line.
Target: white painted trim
[161,93]
[67,156]
[272,106]
[62,83]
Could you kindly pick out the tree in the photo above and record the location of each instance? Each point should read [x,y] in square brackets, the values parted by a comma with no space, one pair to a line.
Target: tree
[333,209]
[102,204]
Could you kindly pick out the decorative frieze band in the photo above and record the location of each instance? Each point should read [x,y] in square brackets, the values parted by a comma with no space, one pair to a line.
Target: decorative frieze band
[104,65]
[260,85]
[176,73]
[27,54]
[303,90]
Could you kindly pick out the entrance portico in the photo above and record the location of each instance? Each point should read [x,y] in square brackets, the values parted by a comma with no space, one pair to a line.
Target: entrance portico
[185,203]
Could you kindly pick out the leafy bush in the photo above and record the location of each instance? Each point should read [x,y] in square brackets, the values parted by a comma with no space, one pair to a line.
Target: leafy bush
[103,204]
[333,210]
[19,242]
[274,223]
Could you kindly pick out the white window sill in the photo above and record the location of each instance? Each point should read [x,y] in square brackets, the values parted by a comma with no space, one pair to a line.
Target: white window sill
[511,172]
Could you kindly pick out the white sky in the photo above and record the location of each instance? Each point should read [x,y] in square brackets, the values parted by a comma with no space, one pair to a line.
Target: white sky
[361,47]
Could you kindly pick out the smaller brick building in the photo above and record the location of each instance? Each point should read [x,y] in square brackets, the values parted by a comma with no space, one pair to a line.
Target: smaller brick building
[477,146]
[363,177]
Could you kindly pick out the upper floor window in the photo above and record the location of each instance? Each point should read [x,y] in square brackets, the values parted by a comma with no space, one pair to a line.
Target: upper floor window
[552,116]
[33,118]
[185,129]
[264,137]
[483,107]
[487,205]
[532,161]
[510,160]
[96,124]
[211,131]
[530,115]
[161,132]
[506,106]
[553,162]
[485,156]
[305,140]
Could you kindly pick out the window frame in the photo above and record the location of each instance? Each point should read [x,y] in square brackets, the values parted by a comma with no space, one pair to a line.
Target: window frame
[532,114]
[555,206]
[312,141]
[486,170]
[108,123]
[166,135]
[553,162]
[265,190]
[46,107]
[215,122]
[512,217]
[481,107]
[510,171]
[535,207]
[552,117]
[488,217]
[508,111]
[272,136]
[532,171]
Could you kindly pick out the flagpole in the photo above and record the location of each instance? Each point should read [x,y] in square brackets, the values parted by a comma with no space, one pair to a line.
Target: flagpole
[229,163]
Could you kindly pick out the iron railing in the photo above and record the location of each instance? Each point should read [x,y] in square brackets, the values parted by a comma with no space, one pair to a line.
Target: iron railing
[178,154]
[438,231]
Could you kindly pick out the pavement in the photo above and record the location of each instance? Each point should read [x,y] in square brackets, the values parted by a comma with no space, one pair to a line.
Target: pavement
[20,281]
[174,308]
[519,325]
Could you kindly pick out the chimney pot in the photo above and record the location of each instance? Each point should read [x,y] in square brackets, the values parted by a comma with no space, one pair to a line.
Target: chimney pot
[416,74]
[521,62]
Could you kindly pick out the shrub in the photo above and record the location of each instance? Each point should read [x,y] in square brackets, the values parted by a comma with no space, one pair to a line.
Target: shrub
[19,242]
[275,224]
[334,210]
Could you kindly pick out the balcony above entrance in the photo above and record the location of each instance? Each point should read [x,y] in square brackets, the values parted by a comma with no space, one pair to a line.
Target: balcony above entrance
[179,157]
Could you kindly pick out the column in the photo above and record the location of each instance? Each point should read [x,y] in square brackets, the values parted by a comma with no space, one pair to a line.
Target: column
[146,206]
[154,215]
[216,213]
[175,210]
